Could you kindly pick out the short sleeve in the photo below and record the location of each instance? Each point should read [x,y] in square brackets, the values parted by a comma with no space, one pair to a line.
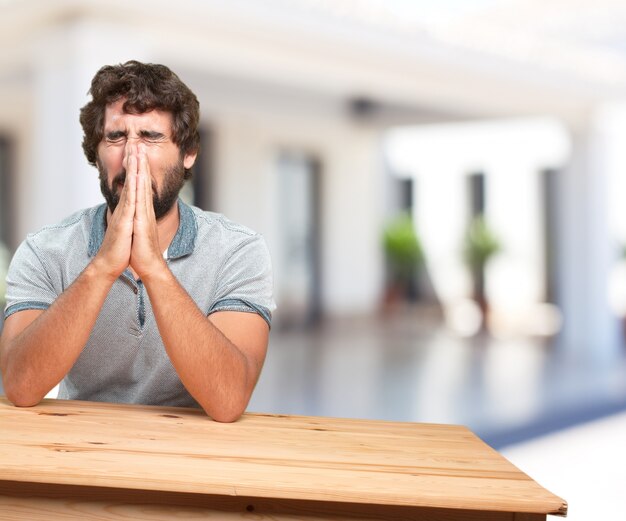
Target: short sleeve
[244,282]
[28,283]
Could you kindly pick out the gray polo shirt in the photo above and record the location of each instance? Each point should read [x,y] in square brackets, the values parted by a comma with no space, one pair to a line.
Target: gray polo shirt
[222,265]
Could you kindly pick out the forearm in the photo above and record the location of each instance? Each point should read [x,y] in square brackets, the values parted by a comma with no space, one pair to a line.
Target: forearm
[215,372]
[36,359]
[217,366]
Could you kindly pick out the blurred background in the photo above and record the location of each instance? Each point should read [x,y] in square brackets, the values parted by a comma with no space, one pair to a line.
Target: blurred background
[440,184]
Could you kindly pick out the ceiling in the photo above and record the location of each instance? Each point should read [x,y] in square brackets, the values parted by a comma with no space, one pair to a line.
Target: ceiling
[584,38]
[472,58]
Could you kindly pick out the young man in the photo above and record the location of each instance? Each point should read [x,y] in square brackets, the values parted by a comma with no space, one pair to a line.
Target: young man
[142,299]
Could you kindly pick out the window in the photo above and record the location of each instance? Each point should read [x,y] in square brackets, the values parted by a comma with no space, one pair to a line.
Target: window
[299,292]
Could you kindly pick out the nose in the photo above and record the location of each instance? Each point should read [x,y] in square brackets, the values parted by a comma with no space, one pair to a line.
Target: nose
[131,145]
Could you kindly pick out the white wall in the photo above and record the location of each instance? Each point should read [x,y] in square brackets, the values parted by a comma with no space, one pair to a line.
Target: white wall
[248,140]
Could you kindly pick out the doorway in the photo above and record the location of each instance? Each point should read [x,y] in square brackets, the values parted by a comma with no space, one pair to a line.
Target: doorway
[299,290]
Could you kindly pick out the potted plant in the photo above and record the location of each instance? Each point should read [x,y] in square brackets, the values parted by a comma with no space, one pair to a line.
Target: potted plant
[404,256]
[480,245]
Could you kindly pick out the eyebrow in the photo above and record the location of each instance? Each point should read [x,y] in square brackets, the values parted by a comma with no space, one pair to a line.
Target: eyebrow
[115,134]
[151,134]
[146,134]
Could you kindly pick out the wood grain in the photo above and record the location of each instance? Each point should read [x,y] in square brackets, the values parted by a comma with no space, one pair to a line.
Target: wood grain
[299,461]
[39,502]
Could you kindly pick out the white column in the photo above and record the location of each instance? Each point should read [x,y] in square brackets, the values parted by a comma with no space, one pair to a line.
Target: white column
[516,278]
[353,212]
[440,219]
[585,249]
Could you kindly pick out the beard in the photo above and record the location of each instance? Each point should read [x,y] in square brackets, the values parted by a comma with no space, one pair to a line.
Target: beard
[162,202]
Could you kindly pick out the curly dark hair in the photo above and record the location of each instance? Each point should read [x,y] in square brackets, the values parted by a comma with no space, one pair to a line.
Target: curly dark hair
[145,86]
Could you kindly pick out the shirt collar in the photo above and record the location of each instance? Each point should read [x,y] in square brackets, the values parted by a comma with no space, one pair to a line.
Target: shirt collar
[184,241]
[182,244]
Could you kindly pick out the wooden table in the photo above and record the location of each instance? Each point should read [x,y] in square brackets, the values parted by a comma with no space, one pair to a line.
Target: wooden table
[83,461]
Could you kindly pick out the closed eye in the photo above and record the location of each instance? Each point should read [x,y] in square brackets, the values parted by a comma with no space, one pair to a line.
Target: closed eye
[115,137]
[152,136]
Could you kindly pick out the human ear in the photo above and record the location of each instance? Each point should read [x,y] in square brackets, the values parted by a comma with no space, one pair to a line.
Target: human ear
[189,160]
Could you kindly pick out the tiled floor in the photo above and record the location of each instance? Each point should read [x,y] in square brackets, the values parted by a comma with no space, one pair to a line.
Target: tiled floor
[408,368]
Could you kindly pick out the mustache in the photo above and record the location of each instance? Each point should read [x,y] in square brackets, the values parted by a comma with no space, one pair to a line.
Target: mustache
[121,179]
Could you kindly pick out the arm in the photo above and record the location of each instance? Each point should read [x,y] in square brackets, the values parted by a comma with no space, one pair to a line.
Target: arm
[218,359]
[38,348]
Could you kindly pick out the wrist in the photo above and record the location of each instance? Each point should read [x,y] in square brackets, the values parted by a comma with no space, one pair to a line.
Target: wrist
[100,269]
[157,271]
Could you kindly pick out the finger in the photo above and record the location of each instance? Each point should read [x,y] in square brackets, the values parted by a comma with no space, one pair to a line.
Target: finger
[128,151]
[127,197]
[139,192]
[146,188]
[131,183]
[140,178]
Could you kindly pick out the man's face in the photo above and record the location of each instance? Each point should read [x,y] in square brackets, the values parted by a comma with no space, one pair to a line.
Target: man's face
[154,129]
